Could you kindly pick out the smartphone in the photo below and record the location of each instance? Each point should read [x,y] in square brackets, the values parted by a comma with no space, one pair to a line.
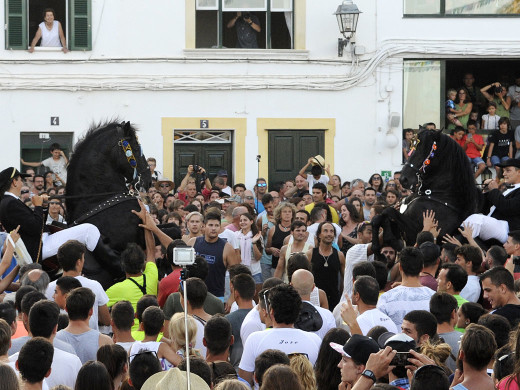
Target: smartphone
[470,135]
[401,359]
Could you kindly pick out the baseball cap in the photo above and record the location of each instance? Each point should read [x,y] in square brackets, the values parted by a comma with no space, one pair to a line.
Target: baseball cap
[357,347]
[400,341]
[222,172]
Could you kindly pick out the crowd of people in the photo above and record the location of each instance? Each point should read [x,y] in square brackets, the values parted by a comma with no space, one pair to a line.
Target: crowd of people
[285,291]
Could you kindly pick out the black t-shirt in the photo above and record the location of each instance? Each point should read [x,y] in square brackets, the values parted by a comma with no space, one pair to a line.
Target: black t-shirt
[511,312]
[501,143]
[246,35]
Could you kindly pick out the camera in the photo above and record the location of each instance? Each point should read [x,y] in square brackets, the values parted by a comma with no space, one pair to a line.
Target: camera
[246,15]
[197,168]
[183,256]
[401,359]
[499,89]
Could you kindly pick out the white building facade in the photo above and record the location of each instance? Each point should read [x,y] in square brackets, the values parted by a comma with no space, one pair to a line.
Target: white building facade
[166,66]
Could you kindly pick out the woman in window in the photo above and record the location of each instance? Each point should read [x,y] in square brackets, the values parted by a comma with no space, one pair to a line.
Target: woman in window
[50,32]
[463,108]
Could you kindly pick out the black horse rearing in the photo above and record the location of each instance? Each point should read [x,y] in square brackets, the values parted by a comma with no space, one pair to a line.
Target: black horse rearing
[104,163]
[440,176]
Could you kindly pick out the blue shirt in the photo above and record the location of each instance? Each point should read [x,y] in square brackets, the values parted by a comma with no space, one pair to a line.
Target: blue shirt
[401,382]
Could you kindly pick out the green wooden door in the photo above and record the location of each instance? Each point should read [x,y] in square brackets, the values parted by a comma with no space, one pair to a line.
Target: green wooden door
[289,151]
[212,157]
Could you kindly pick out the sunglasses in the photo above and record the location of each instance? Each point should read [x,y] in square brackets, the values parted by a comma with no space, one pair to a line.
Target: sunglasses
[140,353]
[294,354]
[24,192]
[164,185]
[262,184]
[250,197]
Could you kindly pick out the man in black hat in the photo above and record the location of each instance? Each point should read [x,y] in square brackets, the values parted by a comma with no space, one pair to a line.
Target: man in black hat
[355,354]
[13,213]
[504,208]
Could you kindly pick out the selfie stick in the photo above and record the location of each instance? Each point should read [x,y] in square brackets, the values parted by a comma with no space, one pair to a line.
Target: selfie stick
[258,157]
[184,273]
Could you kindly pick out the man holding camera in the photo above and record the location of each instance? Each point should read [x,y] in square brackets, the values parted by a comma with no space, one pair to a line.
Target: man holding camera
[190,185]
[247,26]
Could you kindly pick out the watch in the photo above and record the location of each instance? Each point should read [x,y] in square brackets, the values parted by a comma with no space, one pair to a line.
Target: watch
[369,374]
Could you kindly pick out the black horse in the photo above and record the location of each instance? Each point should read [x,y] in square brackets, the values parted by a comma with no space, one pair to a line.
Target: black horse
[441,178]
[104,164]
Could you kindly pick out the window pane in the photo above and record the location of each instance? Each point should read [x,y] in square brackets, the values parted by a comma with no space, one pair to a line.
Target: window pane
[476,7]
[207,4]
[422,91]
[207,29]
[281,5]
[422,7]
[244,5]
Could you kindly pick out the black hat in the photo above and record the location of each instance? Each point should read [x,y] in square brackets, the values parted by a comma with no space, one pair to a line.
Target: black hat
[309,319]
[10,173]
[400,341]
[358,348]
[512,162]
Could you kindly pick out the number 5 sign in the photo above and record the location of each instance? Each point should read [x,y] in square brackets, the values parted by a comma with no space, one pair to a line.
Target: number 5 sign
[204,124]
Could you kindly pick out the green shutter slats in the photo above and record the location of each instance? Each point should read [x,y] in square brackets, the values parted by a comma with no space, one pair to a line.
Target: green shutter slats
[80,24]
[16,29]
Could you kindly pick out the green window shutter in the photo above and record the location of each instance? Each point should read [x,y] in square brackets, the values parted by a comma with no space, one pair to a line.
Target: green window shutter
[16,29]
[80,24]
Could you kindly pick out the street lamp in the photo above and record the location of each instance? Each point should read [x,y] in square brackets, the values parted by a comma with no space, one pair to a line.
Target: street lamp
[347,14]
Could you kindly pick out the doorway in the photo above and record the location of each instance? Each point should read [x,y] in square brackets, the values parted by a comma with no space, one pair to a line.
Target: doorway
[34,146]
[289,151]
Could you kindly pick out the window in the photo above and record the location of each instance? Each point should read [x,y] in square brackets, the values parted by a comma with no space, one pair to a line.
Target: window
[23,17]
[275,18]
[421,93]
[456,8]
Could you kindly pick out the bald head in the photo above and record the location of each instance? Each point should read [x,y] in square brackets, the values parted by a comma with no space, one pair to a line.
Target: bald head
[303,282]
[37,278]
[238,211]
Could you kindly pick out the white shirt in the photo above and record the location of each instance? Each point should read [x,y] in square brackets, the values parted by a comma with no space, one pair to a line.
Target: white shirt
[328,321]
[355,255]
[251,323]
[95,287]
[311,180]
[287,340]
[230,237]
[234,306]
[401,300]
[375,317]
[198,339]
[64,368]
[471,291]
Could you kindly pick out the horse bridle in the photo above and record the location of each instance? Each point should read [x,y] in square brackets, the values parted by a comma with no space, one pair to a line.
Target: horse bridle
[425,163]
[129,154]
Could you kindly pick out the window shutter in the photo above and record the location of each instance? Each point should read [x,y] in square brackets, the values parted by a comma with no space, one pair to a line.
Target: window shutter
[80,24]
[16,29]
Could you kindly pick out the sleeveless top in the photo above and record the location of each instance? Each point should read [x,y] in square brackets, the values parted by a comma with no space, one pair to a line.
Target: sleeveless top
[277,242]
[288,254]
[86,344]
[315,296]
[214,255]
[266,259]
[326,276]
[50,38]
[152,346]
[346,244]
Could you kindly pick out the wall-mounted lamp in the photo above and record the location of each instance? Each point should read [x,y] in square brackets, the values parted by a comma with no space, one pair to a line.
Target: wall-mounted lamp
[348,15]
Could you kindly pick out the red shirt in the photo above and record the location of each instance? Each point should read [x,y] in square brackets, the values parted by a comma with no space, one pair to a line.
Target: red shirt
[471,149]
[168,285]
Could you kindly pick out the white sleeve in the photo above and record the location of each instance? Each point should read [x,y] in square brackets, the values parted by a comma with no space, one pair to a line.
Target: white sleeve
[247,362]
[49,292]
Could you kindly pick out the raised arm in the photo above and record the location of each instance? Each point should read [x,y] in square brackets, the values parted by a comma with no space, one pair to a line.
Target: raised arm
[31,164]
[9,250]
[304,168]
[149,225]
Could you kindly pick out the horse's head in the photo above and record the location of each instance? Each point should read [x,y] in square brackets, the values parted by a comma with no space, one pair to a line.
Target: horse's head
[132,161]
[421,159]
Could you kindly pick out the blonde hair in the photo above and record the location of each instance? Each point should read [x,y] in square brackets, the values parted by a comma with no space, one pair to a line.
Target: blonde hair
[177,334]
[231,384]
[304,370]
[278,210]
[439,353]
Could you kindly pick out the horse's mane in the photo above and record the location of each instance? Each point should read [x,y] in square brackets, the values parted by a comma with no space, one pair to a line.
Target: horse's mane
[97,127]
[456,169]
